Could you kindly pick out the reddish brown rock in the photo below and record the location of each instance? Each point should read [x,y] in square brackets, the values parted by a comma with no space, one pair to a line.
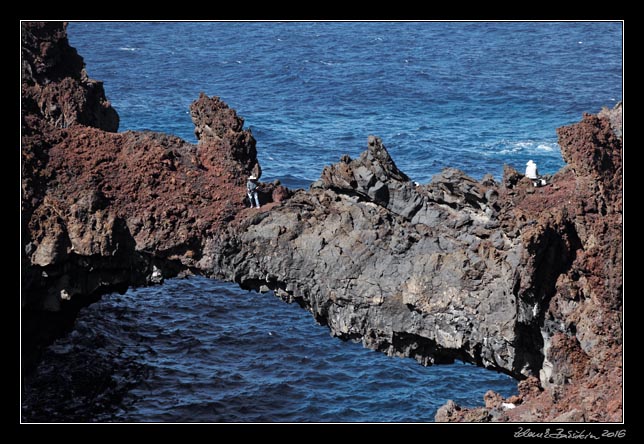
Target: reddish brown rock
[614,116]
[451,412]
[280,193]
[573,233]
[492,399]
[223,143]
[55,84]
[529,387]
[103,210]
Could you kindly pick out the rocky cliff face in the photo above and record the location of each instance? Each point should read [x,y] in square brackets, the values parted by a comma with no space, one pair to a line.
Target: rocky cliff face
[506,276]
[573,276]
[523,280]
[55,84]
[101,210]
[408,270]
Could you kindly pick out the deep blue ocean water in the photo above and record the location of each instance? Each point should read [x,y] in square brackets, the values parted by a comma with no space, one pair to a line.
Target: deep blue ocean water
[200,350]
[467,95]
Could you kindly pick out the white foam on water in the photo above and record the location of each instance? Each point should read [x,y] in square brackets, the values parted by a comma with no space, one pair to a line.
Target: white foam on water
[523,147]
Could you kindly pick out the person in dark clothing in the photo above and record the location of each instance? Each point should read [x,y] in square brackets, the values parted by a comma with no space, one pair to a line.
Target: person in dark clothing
[251,191]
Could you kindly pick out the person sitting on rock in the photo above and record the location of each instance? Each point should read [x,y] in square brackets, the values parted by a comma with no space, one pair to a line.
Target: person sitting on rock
[251,190]
[532,173]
